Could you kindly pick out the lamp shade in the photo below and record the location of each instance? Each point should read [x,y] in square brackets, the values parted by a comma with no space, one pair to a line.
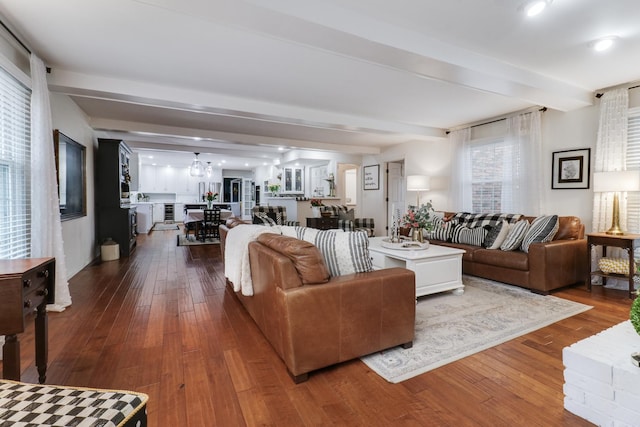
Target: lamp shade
[418,183]
[616,181]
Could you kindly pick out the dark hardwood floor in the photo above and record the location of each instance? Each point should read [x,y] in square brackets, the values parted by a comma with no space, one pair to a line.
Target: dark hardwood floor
[162,322]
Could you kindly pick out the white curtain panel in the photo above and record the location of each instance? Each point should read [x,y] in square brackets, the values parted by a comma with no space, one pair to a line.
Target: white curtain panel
[46,228]
[524,136]
[461,178]
[610,155]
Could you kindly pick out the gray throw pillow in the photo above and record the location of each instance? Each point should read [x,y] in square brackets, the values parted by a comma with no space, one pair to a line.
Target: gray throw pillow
[349,215]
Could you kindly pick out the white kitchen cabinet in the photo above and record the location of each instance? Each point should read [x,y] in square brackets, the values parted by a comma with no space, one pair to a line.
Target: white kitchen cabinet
[158,212]
[147,179]
[144,218]
[292,180]
[178,212]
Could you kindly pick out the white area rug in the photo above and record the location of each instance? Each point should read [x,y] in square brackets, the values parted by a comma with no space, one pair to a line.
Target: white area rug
[450,327]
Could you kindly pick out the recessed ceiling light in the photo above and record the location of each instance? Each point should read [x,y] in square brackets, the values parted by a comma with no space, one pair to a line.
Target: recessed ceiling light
[536,7]
[603,43]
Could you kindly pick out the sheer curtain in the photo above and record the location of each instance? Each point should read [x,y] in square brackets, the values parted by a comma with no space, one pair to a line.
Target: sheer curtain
[610,155]
[461,177]
[46,228]
[524,136]
[517,153]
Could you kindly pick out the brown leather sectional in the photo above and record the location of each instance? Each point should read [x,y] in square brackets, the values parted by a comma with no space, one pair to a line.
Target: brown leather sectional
[313,320]
[547,266]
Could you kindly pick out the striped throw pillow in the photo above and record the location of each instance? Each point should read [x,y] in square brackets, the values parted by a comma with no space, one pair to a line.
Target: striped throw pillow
[441,230]
[516,235]
[542,230]
[469,236]
[343,253]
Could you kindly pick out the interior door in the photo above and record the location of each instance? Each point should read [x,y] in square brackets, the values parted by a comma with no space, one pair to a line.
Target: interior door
[395,191]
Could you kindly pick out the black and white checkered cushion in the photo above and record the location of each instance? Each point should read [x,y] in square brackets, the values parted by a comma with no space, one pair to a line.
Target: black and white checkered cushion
[35,405]
[472,220]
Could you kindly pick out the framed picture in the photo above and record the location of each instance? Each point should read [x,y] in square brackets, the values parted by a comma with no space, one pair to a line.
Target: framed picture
[371,177]
[570,169]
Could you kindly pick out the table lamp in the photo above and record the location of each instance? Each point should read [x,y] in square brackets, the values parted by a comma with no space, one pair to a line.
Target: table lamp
[418,183]
[616,182]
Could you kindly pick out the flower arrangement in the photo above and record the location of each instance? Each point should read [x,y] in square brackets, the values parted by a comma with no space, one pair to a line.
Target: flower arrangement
[211,196]
[316,202]
[419,217]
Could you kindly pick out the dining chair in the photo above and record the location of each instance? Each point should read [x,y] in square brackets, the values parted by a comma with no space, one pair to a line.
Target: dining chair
[211,223]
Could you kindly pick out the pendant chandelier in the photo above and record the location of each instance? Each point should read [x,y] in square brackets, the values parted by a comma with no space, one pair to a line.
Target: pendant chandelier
[209,169]
[196,168]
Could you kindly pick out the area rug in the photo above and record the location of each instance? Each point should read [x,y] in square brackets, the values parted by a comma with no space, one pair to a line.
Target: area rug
[450,327]
[192,241]
[159,226]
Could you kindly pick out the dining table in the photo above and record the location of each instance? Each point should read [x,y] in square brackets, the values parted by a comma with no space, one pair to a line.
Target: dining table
[197,216]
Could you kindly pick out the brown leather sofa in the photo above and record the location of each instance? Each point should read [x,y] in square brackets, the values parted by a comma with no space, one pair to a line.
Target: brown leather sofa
[547,266]
[313,320]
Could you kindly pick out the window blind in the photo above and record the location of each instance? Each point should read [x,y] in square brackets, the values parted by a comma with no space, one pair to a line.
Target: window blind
[491,181]
[633,162]
[15,168]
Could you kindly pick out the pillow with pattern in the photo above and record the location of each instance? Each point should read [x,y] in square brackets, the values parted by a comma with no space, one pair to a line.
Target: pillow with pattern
[516,235]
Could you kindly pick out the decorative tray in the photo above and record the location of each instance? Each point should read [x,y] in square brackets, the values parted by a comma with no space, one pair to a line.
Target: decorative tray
[405,245]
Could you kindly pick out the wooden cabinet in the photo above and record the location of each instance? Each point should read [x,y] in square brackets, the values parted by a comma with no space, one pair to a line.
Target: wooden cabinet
[116,216]
[25,284]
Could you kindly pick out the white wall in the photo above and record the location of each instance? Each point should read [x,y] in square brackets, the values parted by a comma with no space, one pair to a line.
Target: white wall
[560,131]
[79,234]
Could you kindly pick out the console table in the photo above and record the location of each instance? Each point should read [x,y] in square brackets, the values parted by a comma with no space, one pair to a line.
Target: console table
[25,285]
[628,242]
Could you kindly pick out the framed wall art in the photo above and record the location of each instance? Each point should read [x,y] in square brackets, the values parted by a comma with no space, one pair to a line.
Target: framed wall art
[570,169]
[371,177]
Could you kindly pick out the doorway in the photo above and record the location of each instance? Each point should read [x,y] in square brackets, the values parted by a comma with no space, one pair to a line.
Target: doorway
[395,191]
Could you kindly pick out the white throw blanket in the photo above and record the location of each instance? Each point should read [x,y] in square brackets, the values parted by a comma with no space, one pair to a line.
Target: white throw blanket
[236,255]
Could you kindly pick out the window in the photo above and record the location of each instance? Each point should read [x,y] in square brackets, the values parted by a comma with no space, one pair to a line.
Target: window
[633,162]
[491,187]
[15,170]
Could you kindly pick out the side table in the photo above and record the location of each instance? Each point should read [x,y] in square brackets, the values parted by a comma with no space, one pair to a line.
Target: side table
[628,242]
[25,285]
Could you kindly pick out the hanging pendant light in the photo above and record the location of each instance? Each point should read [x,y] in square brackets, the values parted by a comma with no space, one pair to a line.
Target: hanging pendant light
[209,169]
[196,168]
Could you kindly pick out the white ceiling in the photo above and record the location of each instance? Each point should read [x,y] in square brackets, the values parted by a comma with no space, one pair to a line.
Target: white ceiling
[240,78]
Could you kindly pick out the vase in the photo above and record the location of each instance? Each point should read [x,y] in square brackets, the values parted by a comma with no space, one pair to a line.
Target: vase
[315,211]
[418,235]
[209,204]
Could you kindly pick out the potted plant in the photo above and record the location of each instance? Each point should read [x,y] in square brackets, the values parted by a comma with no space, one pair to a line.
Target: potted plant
[419,219]
[274,188]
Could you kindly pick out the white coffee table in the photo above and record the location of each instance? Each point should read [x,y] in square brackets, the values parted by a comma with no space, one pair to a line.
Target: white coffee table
[437,268]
